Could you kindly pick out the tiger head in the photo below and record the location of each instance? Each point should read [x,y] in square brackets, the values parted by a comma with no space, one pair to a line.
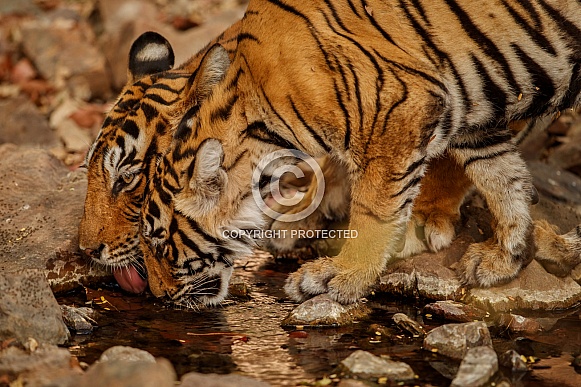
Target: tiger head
[195,221]
[134,135]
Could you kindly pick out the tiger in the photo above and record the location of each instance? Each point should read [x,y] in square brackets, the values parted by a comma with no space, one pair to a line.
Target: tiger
[135,132]
[378,87]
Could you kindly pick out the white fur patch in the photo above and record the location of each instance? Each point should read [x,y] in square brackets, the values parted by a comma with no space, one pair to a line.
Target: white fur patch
[152,52]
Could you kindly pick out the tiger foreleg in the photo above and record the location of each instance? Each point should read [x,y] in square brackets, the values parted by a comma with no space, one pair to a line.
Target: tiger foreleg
[559,254]
[379,211]
[500,174]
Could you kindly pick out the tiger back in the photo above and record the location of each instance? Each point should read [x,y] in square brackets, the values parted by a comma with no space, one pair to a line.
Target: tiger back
[134,135]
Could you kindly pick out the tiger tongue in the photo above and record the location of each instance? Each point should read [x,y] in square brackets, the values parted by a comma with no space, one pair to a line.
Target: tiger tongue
[130,280]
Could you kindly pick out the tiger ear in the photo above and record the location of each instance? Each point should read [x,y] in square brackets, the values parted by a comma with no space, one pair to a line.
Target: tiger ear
[212,70]
[150,53]
[209,178]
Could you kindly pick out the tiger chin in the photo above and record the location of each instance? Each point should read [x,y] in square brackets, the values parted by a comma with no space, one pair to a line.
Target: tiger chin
[379,89]
[136,132]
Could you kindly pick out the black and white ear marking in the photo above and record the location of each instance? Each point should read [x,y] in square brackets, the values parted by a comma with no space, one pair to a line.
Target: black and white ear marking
[150,53]
[212,70]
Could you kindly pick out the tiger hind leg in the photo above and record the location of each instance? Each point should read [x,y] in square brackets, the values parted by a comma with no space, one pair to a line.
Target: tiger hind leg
[559,254]
[437,208]
[493,164]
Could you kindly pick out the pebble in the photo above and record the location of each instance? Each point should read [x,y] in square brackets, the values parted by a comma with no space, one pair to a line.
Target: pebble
[454,311]
[407,324]
[368,366]
[477,367]
[454,340]
[513,360]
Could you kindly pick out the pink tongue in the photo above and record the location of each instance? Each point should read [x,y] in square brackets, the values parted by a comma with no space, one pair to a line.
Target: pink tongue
[129,280]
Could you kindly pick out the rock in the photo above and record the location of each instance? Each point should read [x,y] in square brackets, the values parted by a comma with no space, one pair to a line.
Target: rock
[454,311]
[518,324]
[454,340]
[194,379]
[322,310]
[48,365]
[368,366]
[477,367]
[41,204]
[511,359]
[74,138]
[533,289]
[62,51]
[28,308]
[576,363]
[352,383]
[124,373]
[556,183]
[408,325]
[79,320]
[24,124]
[126,354]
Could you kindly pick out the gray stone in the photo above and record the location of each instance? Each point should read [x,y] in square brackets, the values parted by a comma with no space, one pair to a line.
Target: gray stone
[454,311]
[127,373]
[368,366]
[533,289]
[556,183]
[194,379]
[126,354]
[79,320]
[322,310]
[477,367]
[454,340]
[512,359]
[48,365]
[28,308]
[24,124]
[41,204]
[408,325]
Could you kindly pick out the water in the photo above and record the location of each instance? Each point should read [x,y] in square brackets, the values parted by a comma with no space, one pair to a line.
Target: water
[246,336]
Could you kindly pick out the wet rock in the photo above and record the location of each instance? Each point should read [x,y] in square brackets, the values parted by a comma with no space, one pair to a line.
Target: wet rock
[408,325]
[454,340]
[61,49]
[28,308]
[454,311]
[518,324]
[126,354]
[24,124]
[122,373]
[195,379]
[513,360]
[447,368]
[48,365]
[368,366]
[477,367]
[322,310]
[80,320]
[533,289]
[41,204]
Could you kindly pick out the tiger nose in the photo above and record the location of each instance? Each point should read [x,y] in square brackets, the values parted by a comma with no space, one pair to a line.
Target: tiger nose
[93,253]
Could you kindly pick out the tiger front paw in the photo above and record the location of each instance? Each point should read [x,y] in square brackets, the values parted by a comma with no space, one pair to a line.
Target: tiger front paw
[323,276]
[485,265]
[439,231]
